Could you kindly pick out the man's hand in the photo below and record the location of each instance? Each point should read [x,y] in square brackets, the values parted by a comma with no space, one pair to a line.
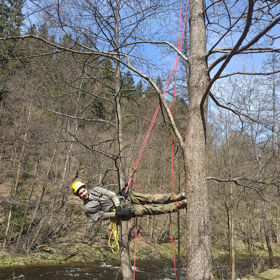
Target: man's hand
[123,192]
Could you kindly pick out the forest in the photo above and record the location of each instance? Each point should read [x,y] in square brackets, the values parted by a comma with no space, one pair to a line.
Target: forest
[80,82]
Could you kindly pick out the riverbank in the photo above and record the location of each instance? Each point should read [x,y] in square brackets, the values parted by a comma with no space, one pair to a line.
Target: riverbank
[61,253]
[66,252]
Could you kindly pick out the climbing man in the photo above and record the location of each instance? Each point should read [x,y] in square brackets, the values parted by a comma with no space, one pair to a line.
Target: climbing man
[102,204]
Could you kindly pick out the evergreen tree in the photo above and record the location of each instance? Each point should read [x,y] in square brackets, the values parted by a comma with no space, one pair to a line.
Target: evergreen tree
[11,21]
[128,85]
[11,17]
[150,91]
[139,89]
[159,84]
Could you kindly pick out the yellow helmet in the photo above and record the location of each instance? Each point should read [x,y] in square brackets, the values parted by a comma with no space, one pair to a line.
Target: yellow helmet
[76,186]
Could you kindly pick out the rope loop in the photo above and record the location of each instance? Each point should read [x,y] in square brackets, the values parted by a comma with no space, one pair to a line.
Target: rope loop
[114,232]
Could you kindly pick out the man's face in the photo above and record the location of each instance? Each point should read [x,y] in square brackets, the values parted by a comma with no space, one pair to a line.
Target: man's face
[83,194]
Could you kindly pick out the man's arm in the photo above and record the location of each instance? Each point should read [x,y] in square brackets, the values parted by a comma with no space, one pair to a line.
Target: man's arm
[124,215]
[109,215]
[110,194]
[114,198]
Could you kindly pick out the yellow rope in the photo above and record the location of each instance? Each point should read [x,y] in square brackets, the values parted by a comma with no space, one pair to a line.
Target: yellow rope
[114,245]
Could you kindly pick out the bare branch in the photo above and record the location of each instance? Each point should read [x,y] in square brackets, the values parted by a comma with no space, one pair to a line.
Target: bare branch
[245,47]
[158,43]
[249,73]
[228,57]
[77,118]
[236,182]
[108,155]
[248,51]
[237,113]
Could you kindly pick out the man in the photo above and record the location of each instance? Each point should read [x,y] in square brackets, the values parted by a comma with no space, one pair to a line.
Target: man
[101,204]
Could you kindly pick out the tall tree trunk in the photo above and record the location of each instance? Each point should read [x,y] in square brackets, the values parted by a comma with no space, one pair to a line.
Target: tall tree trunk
[125,255]
[232,244]
[277,225]
[179,225]
[14,191]
[266,234]
[274,112]
[59,200]
[27,205]
[198,233]
[29,243]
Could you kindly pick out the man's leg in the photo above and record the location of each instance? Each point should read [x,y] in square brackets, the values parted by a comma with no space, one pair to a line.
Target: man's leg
[141,198]
[158,209]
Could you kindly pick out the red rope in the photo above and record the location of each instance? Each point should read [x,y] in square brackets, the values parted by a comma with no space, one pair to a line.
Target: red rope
[135,239]
[180,42]
[163,94]
[135,244]
[173,250]
[172,148]
[151,126]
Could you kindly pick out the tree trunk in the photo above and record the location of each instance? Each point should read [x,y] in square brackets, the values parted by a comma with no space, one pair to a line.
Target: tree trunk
[231,233]
[127,273]
[277,225]
[198,233]
[14,192]
[27,207]
[29,243]
[179,225]
[232,245]
[274,108]
[267,238]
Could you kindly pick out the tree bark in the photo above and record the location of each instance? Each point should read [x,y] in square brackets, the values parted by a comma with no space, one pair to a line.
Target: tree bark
[14,192]
[29,243]
[27,207]
[198,233]
[127,273]
[232,244]
[267,238]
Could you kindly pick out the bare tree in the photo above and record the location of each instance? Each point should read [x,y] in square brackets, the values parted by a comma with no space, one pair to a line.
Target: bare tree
[249,25]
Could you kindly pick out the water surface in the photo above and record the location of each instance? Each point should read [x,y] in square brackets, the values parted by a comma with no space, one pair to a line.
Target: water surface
[101,271]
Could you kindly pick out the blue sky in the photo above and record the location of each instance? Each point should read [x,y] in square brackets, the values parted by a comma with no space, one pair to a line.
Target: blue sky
[163,58]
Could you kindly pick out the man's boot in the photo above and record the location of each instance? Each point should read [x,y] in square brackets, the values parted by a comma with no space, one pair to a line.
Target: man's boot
[181,204]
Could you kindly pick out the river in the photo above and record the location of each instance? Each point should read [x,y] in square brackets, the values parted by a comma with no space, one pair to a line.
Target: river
[101,271]
[146,270]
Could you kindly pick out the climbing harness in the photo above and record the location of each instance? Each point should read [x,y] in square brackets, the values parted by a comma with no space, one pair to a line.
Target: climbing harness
[114,232]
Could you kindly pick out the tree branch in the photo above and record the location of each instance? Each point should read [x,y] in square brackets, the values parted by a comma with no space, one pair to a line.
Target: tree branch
[249,73]
[236,182]
[77,118]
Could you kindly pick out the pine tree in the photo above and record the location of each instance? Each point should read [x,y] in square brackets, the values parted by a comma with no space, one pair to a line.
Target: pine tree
[128,85]
[11,21]
[139,88]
